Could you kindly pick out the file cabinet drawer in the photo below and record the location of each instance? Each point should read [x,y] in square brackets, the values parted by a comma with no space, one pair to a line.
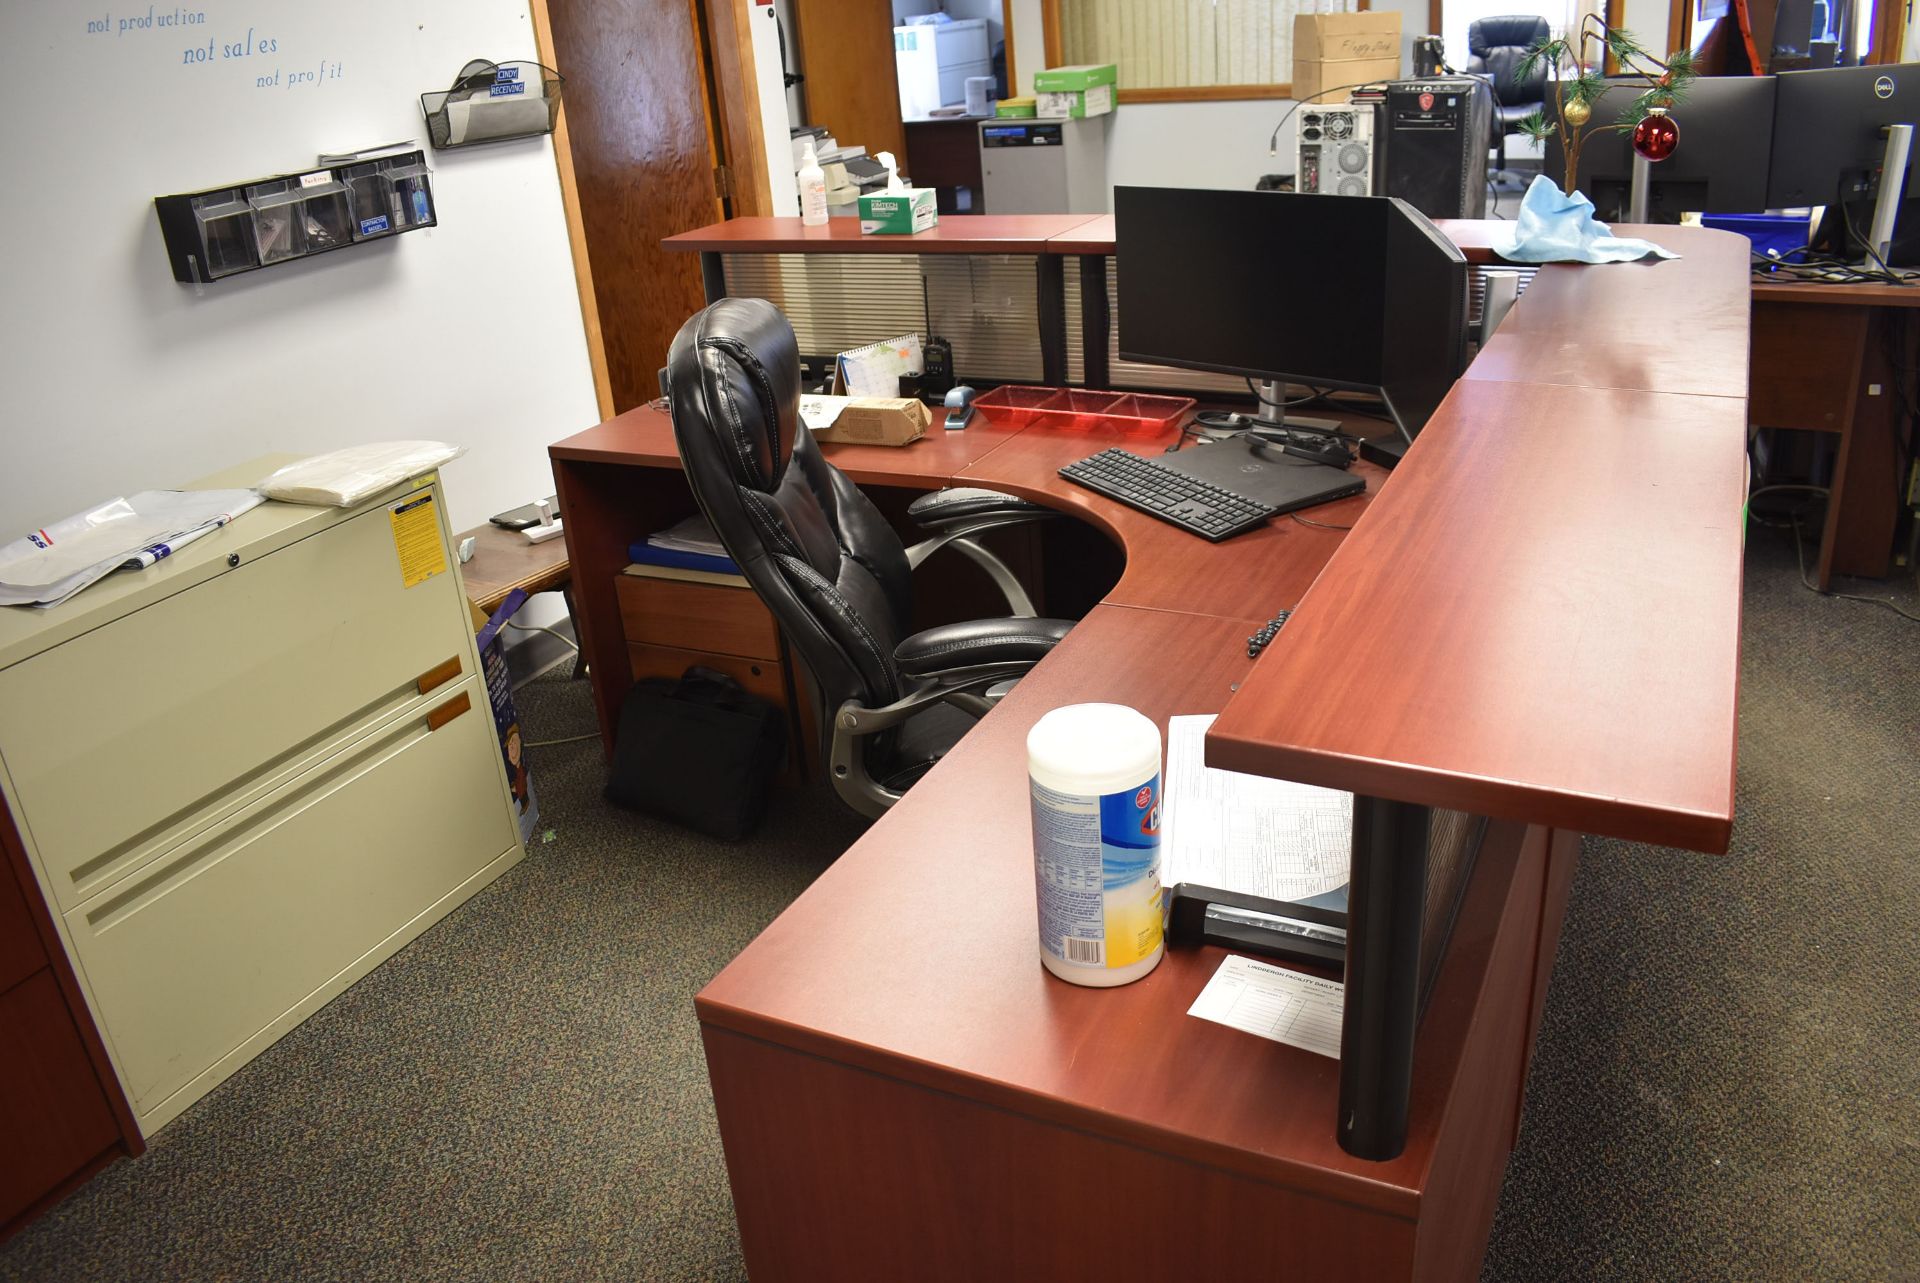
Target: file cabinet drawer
[238,934]
[124,740]
[690,616]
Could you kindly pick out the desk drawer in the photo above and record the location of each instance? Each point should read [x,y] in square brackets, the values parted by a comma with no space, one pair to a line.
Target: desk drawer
[127,739]
[244,930]
[690,616]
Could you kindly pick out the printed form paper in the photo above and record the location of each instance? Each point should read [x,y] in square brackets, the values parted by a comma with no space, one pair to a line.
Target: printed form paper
[1248,833]
[1259,998]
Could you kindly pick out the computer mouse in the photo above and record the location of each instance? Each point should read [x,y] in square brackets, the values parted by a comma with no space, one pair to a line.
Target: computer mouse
[959,406]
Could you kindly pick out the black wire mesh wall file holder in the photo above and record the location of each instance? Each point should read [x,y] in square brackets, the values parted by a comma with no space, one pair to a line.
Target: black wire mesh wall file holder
[493,102]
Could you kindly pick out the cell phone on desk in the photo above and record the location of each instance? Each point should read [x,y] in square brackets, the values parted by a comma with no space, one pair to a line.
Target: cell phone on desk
[525,517]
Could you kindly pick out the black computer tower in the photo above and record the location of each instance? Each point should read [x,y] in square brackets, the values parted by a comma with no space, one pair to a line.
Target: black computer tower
[1435,135]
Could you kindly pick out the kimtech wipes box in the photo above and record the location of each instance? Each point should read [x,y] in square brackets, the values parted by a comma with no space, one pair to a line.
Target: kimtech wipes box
[898,210]
[904,212]
[1333,51]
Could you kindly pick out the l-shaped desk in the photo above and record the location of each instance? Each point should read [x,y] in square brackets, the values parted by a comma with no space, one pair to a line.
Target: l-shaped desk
[1535,618]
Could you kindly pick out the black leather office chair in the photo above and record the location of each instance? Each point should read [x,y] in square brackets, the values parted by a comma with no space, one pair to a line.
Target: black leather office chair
[1495,47]
[830,568]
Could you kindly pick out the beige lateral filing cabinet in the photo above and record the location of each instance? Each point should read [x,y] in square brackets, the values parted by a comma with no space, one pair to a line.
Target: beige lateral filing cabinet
[249,774]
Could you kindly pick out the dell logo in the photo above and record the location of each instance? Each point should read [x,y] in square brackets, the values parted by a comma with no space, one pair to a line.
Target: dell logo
[1883,87]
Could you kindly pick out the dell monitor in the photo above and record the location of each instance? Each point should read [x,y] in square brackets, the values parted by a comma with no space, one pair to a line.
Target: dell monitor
[1830,128]
[1352,292]
[1829,144]
[1720,166]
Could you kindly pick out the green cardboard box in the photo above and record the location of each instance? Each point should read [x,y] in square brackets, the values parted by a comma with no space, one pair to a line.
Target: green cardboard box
[1064,80]
[898,213]
[1016,109]
[1076,104]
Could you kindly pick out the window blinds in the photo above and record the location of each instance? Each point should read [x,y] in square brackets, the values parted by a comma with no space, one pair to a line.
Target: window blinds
[1169,44]
[984,304]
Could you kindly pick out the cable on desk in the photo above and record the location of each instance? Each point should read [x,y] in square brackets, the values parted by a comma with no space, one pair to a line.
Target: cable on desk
[1309,521]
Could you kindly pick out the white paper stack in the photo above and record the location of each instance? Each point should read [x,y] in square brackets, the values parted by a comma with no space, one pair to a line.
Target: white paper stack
[53,563]
[691,535]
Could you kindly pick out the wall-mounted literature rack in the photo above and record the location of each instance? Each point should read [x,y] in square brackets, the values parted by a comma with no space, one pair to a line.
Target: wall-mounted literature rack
[493,102]
[224,231]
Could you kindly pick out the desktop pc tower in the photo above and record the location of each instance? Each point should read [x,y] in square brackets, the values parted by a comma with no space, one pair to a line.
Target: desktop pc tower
[1435,135]
[1337,152]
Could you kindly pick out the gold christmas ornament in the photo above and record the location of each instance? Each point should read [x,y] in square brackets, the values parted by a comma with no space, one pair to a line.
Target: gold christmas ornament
[1577,113]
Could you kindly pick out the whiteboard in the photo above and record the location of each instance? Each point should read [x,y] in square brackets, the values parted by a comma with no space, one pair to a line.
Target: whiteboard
[118,378]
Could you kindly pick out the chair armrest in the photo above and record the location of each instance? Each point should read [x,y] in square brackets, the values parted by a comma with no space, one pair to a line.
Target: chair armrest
[1017,640]
[970,506]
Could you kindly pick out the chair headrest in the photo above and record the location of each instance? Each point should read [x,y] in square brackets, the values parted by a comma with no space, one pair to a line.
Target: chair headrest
[1506,31]
[734,372]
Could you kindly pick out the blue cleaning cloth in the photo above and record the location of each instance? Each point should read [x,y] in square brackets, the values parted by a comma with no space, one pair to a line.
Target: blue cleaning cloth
[1554,227]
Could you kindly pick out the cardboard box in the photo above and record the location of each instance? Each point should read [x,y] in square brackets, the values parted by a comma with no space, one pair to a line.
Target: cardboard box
[878,421]
[1335,50]
[1067,80]
[898,213]
[1015,109]
[1076,104]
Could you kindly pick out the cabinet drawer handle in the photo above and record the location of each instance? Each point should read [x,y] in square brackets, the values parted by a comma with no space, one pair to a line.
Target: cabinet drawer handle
[440,674]
[448,711]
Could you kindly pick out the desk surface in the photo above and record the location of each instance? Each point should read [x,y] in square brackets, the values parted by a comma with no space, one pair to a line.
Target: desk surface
[503,560]
[1538,619]
[1865,294]
[953,234]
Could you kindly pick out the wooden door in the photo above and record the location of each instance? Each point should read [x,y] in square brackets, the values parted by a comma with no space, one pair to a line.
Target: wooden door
[644,160]
[846,49]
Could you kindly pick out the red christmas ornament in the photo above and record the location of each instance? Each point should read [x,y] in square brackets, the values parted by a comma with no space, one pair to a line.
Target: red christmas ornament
[1656,135]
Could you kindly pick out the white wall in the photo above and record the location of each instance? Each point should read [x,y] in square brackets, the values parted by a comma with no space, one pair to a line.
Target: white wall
[118,378]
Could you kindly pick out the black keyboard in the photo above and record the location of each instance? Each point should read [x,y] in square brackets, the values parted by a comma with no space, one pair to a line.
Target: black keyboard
[1176,498]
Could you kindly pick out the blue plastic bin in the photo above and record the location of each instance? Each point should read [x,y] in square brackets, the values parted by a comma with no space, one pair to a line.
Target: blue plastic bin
[1780,234]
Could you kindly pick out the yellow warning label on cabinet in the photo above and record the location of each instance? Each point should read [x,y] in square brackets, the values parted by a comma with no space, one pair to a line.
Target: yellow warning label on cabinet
[416,537]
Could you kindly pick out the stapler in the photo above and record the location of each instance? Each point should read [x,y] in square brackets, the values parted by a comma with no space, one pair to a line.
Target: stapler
[959,407]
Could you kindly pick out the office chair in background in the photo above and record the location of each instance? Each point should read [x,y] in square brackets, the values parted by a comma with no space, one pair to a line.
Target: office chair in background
[1495,47]
[830,568]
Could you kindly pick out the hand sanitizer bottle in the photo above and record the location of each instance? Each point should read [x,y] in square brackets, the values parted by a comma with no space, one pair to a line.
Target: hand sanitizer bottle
[813,189]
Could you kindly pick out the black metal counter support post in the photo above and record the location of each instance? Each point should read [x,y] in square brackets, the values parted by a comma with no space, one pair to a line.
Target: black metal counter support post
[1050,285]
[1386,902]
[1096,321]
[713,275]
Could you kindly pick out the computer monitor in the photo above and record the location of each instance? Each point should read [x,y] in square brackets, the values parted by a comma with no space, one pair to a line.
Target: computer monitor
[1351,292]
[1829,137]
[1830,127]
[1720,166]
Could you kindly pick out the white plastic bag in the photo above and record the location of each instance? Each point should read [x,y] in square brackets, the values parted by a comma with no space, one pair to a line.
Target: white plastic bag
[342,478]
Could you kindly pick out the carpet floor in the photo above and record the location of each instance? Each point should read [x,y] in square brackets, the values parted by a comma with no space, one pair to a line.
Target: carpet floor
[1727,1084]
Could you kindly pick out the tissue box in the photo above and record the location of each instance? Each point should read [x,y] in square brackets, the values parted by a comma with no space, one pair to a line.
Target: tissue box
[898,213]
[1333,50]
[878,421]
[1075,104]
[1067,80]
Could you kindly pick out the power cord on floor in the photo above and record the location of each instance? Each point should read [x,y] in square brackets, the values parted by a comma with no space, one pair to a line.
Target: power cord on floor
[571,739]
[1799,555]
[562,638]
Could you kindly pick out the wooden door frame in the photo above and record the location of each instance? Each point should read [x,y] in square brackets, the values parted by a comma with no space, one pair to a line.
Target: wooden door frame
[576,228]
[727,50]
